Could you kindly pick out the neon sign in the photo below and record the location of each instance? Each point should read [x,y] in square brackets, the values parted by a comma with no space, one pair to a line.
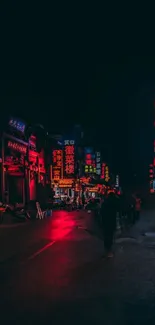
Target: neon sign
[117,180]
[90,164]
[17,124]
[107,173]
[98,163]
[103,170]
[66,183]
[69,157]
[57,164]
[89,169]
[17,146]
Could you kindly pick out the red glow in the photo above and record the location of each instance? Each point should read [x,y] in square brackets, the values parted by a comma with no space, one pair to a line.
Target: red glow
[103,170]
[57,164]
[88,156]
[17,146]
[69,150]
[62,225]
[69,159]
[88,162]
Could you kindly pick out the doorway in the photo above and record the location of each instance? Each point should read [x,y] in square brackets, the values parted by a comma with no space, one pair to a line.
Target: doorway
[16,189]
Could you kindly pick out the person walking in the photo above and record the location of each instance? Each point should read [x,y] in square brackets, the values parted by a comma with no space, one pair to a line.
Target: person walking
[109,210]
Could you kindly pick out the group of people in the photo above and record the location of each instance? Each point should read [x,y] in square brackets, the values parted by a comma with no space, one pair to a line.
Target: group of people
[127,210]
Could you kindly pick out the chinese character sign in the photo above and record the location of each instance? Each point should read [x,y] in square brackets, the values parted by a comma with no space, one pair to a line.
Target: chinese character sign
[98,163]
[103,170]
[89,169]
[17,146]
[69,158]
[107,173]
[117,180]
[57,164]
[90,163]
[151,171]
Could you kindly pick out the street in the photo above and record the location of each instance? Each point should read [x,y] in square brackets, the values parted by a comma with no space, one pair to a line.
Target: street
[53,271]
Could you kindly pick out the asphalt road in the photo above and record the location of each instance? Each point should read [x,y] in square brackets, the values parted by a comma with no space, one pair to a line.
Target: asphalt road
[53,272]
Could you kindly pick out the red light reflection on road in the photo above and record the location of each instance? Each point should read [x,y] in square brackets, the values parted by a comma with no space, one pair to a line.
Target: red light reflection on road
[62,225]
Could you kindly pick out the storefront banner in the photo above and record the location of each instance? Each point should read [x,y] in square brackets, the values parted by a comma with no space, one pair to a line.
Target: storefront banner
[66,183]
[17,146]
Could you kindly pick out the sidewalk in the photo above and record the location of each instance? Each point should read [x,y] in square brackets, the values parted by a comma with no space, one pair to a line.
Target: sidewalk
[146,224]
[10,222]
[88,222]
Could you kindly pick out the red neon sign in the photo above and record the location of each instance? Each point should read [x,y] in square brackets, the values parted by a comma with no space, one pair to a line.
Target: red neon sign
[103,171]
[69,160]
[57,164]
[17,146]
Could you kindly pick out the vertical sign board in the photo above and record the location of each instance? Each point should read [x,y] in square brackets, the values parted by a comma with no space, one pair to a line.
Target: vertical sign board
[90,165]
[151,176]
[69,158]
[117,181]
[57,164]
[103,170]
[98,163]
[107,173]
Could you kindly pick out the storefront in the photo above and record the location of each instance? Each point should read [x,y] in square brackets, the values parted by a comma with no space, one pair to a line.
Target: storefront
[64,188]
[14,152]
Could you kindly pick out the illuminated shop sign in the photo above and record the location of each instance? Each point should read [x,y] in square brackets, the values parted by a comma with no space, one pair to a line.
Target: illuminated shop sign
[32,143]
[107,173]
[89,169]
[103,170]
[57,164]
[66,183]
[17,146]
[98,163]
[90,164]
[17,124]
[151,171]
[117,180]
[69,157]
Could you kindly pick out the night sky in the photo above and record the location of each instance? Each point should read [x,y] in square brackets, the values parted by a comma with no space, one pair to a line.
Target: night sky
[111,97]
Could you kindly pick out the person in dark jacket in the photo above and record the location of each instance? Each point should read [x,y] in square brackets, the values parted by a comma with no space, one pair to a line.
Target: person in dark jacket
[109,210]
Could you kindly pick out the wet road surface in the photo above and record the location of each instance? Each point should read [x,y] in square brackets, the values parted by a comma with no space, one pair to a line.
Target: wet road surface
[52,272]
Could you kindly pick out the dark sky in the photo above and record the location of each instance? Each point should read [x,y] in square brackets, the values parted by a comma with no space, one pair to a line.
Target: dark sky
[59,73]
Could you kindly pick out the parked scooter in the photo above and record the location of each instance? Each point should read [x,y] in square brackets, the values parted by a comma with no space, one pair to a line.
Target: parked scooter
[21,214]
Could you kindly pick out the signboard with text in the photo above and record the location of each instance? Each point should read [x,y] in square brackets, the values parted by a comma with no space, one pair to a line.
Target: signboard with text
[17,124]
[103,170]
[98,163]
[57,169]
[107,177]
[69,158]
[90,163]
